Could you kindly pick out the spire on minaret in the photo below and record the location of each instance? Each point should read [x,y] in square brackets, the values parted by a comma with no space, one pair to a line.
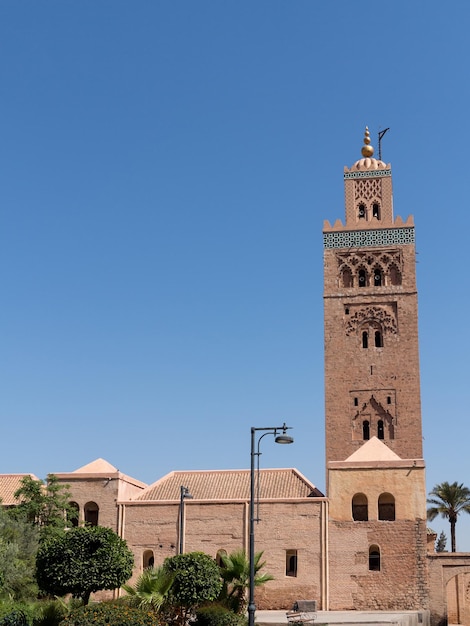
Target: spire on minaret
[367,149]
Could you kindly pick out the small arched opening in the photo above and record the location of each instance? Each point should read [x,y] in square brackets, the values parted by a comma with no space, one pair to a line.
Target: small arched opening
[91,510]
[148,559]
[73,515]
[374,558]
[386,507]
[360,510]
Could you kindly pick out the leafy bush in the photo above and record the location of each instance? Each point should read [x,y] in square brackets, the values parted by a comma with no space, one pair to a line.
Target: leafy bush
[83,560]
[107,613]
[50,612]
[16,617]
[196,581]
[217,615]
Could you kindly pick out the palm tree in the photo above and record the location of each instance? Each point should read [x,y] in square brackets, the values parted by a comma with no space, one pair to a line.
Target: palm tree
[151,588]
[449,501]
[235,572]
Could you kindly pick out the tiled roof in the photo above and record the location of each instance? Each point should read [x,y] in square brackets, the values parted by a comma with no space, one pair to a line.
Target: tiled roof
[231,485]
[9,483]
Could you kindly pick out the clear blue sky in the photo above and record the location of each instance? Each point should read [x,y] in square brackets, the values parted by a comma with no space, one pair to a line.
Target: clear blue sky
[165,170]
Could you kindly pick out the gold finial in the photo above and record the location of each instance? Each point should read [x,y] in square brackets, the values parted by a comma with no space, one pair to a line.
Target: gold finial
[367,149]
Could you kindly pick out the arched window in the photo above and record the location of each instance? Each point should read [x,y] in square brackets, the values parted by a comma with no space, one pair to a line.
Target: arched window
[91,513]
[148,560]
[360,508]
[347,277]
[366,430]
[380,430]
[291,563]
[376,210]
[219,557]
[378,339]
[365,339]
[374,559]
[377,277]
[72,514]
[361,211]
[395,275]
[362,275]
[386,507]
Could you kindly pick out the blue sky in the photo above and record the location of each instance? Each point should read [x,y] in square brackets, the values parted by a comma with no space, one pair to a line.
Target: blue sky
[165,170]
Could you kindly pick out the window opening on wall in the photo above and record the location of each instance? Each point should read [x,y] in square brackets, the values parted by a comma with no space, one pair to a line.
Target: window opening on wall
[148,560]
[380,430]
[374,559]
[219,557]
[389,400]
[366,430]
[362,278]
[346,311]
[377,278]
[356,401]
[347,278]
[91,513]
[395,275]
[291,563]
[376,210]
[360,508]
[365,339]
[387,507]
[73,514]
[362,211]
[378,339]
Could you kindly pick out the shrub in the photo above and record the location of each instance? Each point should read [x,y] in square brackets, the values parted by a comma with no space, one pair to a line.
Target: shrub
[107,613]
[217,615]
[196,581]
[16,617]
[50,612]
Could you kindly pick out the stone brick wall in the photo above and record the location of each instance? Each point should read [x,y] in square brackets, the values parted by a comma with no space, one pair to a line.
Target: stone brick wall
[214,526]
[401,583]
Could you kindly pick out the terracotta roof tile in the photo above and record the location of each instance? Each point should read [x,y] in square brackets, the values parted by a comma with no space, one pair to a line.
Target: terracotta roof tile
[231,485]
[9,483]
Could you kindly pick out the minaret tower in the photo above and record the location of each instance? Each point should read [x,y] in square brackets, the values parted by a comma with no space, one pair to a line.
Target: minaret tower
[375,470]
[371,319]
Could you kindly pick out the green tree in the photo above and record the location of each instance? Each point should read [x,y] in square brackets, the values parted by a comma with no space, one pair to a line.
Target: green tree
[196,581]
[18,547]
[235,572]
[441,542]
[83,560]
[448,501]
[44,504]
[151,588]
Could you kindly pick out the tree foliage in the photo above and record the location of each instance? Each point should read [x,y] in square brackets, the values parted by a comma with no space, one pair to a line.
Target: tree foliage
[83,560]
[196,581]
[44,504]
[235,573]
[448,501]
[18,546]
[441,542]
[151,588]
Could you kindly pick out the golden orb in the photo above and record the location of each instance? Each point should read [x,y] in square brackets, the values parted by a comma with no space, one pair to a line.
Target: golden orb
[367,151]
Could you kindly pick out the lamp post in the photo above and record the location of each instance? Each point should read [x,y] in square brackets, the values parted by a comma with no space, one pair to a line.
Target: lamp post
[184,495]
[280,435]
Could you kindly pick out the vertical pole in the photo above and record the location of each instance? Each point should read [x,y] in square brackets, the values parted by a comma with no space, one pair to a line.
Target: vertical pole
[251,600]
[181,524]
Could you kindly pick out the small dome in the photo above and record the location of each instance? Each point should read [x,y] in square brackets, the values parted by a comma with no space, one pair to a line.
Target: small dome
[368,162]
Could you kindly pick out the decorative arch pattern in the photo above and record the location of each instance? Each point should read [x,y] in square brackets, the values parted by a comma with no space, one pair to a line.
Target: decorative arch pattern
[384,264]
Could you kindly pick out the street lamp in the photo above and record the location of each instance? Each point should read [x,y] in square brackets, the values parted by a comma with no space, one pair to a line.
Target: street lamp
[184,495]
[280,435]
